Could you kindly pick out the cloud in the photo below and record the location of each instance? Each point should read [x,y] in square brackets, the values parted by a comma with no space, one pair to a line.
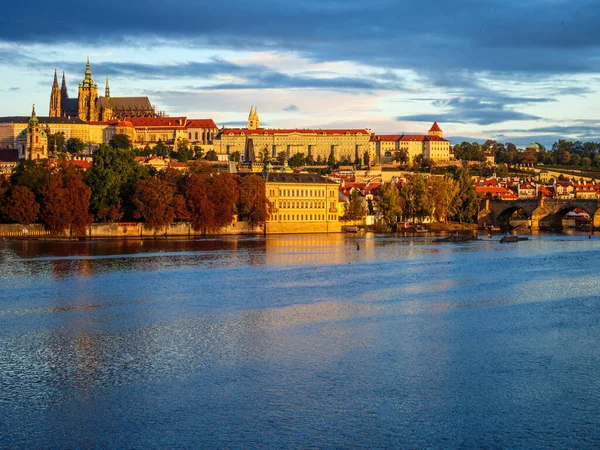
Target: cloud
[291,108]
[495,36]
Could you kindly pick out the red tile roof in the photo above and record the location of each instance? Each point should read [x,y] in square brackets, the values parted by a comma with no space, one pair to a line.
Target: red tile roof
[201,123]
[177,122]
[389,137]
[271,131]
[435,127]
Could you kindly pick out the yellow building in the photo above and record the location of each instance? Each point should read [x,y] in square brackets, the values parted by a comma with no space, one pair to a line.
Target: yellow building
[301,203]
[344,144]
[432,146]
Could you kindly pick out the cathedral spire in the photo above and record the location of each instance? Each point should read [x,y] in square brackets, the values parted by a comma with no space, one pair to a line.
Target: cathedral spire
[55,84]
[107,90]
[88,70]
[63,89]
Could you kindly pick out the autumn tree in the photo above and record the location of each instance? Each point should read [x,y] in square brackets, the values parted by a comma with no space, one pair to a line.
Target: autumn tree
[153,200]
[354,208]
[223,194]
[252,204]
[202,214]
[442,194]
[19,205]
[416,199]
[388,202]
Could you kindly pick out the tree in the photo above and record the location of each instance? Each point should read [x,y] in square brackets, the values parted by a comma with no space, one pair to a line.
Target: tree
[56,212]
[56,141]
[367,158]
[401,156]
[19,205]
[252,204]
[74,146]
[199,205]
[33,175]
[466,201]
[442,194]
[354,208]
[153,200]
[297,160]
[388,202]
[223,194]
[331,159]
[416,199]
[309,160]
[121,141]
[211,155]
[235,156]
[281,158]
[502,171]
[265,157]
[160,149]
[198,152]
[77,194]
[112,178]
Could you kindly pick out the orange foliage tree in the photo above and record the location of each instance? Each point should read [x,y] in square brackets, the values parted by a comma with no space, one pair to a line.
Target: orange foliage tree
[19,205]
[252,204]
[153,200]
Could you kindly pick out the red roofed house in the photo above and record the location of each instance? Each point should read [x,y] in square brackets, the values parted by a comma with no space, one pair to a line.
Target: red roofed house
[432,146]
[201,131]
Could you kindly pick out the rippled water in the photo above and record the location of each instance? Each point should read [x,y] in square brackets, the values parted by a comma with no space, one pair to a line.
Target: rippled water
[300,341]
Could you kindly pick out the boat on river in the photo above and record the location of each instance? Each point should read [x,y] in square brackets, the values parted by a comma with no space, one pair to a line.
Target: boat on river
[457,238]
[508,239]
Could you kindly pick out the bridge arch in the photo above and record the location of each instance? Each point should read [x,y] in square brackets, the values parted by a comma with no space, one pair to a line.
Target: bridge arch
[556,219]
[513,213]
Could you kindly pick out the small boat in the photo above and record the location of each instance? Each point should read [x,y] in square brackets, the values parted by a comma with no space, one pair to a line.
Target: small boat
[457,238]
[508,239]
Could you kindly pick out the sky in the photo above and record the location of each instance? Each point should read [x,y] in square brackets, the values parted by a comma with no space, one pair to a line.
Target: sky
[513,71]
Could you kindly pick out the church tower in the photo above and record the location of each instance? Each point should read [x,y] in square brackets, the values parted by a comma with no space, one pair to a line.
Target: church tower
[435,130]
[107,89]
[253,120]
[36,146]
[88,96]
[55,101]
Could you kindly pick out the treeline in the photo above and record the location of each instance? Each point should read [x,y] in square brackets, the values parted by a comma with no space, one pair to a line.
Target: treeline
[443,198]
[563,152]
[117,188]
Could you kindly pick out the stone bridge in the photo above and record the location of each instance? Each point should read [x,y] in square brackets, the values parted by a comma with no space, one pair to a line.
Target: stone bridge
[542,213]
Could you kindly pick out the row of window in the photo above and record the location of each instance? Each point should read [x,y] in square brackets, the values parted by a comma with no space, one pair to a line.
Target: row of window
[301,205]
[301,217]
[300,193]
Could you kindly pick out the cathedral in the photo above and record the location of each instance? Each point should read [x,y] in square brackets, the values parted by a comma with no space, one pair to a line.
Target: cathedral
[90,107]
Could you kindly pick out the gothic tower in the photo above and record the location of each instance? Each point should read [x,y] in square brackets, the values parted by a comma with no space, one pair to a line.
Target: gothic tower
[253,120]
[107,89]
[55,100]
[88,96]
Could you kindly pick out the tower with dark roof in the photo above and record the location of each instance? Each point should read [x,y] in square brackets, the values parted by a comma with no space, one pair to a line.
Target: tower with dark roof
[87,96]
[55,99]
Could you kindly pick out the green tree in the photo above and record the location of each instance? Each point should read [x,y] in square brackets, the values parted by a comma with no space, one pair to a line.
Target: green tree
[33,175]
[235,156]
[367,158]
[74,146]
[297,160]
[309,160]
[442,195]
[401,156]
[388,202]
[416,199]
[354,208]
[160,149]
[112,178]
[211,155]
[331,159]
[120,141]
[466,201]
[281,158]
[265,156]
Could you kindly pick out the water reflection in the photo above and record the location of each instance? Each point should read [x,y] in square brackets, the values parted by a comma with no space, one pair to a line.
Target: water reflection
[299,341]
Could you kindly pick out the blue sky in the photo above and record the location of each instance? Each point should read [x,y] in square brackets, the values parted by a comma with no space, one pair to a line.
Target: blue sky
[507,70]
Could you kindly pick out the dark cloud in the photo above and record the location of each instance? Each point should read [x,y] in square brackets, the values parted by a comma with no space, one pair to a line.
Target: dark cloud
[291,108]
[488,110]
[495,35]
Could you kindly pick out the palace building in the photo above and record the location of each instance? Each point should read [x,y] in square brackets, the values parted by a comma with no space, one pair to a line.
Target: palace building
[88,106]
[343,144]
[432,146]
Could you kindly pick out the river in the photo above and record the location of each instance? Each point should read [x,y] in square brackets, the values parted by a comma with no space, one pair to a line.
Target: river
[300,342]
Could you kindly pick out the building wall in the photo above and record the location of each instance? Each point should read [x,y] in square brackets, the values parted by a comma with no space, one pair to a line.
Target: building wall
[302,207]
[344,146]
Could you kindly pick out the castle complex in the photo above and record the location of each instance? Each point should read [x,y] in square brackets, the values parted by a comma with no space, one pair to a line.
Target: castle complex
[90,107]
